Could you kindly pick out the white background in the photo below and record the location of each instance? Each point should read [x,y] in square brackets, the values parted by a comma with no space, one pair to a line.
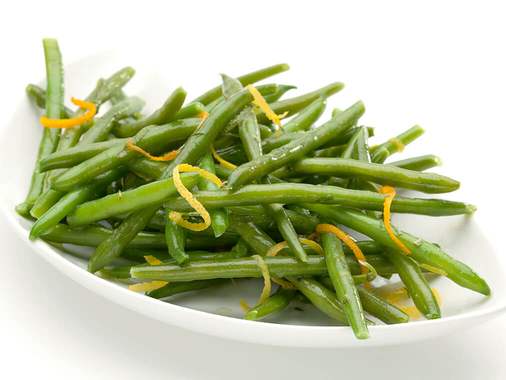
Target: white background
[441,65]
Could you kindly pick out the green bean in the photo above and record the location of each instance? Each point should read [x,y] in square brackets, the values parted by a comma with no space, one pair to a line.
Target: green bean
[287,193]
[246,79]
[75,155]
[380,308]
[274,304]
[418,288]
[175,239]
[219,217]
[54,109]
[136,254]
[343,284]
[104,124]
[419,163]
[294,105]
[257,240]
[421,250]
[153,139]
[38,96]
[68,203]
[183,287]
[283,89]
[306,117]
[194,148]
[381,152]
[322,298]
[93,236]
[163,115]
[146,168]
[378,173]
[296,149]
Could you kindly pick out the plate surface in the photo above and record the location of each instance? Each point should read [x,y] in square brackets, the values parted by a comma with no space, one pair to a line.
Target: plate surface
[216,312]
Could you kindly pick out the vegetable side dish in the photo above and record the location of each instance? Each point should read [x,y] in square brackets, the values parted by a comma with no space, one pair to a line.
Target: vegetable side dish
[241,182]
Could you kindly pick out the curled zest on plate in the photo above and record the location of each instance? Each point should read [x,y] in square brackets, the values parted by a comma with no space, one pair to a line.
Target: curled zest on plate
[266,291]
[91,110]
[276,248]
[221,160]
[346,239]
[169,156]
[177,217]
[150,285]
[261,103]
[389,193]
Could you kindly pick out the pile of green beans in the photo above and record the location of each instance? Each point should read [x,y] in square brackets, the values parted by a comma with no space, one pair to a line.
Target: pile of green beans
[280,182]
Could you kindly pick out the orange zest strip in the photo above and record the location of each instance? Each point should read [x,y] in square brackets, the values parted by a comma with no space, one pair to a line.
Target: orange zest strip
[221,160]
[147,286]
[169,156]
[266,291]
[152,260]
[347,240]
[91,110]
[276,248]
[389,197]
[261,103]
[177,217]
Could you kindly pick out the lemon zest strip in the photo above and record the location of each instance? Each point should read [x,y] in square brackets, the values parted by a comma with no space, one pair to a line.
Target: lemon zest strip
[91,110]
[221,160]
[152,260]
[266,291]
[389,193]
[261,103]
[283,283]
[244,305]
[177,217]
[276,248]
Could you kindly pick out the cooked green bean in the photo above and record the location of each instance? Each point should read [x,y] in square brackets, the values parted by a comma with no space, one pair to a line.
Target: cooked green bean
[419,163]
[305,119]
[38,96]
[381,152]
[282,89]
[380,308]
[296,149]
[175,239]
[421,250]
[245,79]
[416,284]
[54,109]
[183,287]
[343,284]
[383,174]
[274,304]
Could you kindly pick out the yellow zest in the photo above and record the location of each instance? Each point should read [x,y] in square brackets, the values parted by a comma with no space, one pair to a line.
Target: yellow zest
[221,160]
[152,260]
[244,305]
[260,102]
[266,291]
[169,156]
[389,197]
[91,110]
[347,240]
[276,248]
[283,283]
[432,269]
[147,286]
[177,217]
[203,115]
[399,146]
[400,295]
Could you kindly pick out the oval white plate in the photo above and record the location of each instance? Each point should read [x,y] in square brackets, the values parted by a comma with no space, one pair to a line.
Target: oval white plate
[216,312]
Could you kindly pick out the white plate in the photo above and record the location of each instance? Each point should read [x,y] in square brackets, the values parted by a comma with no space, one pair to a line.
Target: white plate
[216,312]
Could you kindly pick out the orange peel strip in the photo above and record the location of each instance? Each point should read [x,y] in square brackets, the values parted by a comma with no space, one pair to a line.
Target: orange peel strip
[389,193]
[169,156]
[347,240]
[91,110]
[177,217]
